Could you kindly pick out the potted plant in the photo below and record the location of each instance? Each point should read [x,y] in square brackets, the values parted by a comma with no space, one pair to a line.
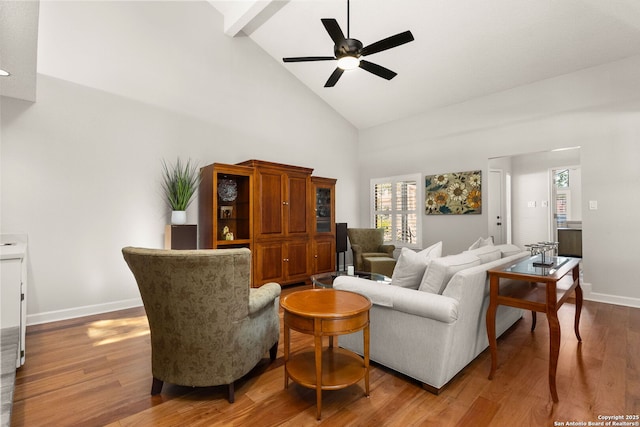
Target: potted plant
[179,183]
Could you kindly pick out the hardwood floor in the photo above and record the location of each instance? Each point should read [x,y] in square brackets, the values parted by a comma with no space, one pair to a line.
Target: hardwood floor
[95,371]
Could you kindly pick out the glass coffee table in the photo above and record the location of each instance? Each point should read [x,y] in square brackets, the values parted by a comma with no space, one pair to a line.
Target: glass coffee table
[325,280]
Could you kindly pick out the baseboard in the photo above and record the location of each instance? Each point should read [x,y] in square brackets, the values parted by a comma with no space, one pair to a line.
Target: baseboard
[88,310]
[72,313]
[607,298]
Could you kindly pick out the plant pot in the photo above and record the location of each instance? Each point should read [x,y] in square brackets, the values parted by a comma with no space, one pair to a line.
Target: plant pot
[178,217]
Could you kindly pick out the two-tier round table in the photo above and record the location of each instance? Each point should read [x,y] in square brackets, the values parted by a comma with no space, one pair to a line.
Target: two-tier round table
[325,312]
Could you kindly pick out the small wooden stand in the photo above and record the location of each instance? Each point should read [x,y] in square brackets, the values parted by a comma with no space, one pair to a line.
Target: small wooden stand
[181,236]
[326,312]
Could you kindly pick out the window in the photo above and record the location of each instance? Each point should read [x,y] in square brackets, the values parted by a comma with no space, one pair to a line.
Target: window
[561,178]
[561,209]
[395,204]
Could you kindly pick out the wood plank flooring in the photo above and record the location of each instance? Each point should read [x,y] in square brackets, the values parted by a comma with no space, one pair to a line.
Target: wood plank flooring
[95,371]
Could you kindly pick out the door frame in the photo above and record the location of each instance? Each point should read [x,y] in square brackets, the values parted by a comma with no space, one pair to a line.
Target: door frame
[502,207]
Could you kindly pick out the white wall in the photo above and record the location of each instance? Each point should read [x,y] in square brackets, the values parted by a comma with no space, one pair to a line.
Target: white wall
[597,109]
[121,86]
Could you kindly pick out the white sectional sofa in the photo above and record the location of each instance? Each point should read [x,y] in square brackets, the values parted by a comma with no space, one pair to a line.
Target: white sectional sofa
[432,334]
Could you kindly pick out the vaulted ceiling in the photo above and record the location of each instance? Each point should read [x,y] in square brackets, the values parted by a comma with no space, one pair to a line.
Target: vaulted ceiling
[463,49]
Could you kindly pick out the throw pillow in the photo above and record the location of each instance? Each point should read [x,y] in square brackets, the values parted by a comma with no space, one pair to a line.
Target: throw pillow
[486,253]
[508,249]
[481,242]
[441,270]
[411,265]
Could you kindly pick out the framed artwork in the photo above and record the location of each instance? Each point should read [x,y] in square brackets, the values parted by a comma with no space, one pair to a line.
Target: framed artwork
[226,212]
[455,193]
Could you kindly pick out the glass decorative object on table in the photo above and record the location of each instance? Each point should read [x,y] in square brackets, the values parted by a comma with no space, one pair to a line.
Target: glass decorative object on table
[542,248]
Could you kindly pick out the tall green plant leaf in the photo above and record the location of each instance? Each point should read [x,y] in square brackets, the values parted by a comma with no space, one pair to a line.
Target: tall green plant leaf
[179,183]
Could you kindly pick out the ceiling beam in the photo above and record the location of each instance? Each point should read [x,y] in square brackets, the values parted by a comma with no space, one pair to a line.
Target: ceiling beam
[246,16]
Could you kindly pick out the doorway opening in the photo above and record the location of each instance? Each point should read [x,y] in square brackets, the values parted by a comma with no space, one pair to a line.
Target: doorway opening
[566,212]
[524,204]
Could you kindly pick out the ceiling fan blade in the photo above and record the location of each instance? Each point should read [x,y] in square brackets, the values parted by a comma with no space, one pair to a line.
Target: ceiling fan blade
[308,58]
[378,70]
[332,27]
[334,77]
[388,43]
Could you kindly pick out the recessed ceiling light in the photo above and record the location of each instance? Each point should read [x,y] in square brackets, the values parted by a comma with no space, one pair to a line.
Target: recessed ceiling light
[4,73]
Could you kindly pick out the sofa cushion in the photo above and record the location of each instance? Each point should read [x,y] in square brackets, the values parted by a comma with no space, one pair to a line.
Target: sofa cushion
[486,253]
[440,270]
[481,242]
[508,249]
[411,265]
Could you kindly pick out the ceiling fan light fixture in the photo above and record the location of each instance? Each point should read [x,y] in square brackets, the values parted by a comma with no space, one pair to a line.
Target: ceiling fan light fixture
[348,52]
[349,62]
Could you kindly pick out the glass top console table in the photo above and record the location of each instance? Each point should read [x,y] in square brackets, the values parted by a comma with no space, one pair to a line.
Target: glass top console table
[325,280]
[539,289]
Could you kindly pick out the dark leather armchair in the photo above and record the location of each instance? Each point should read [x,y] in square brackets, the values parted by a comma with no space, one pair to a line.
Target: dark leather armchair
[208,326]
[368,243]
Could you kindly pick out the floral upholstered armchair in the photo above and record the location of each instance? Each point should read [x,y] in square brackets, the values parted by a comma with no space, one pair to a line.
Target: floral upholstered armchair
[208,326]
[368,243]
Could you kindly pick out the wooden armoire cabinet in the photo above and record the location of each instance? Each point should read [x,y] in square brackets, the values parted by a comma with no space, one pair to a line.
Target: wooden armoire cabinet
[281,210]
[280,202]
[323,228]
[225,214]
[290,217]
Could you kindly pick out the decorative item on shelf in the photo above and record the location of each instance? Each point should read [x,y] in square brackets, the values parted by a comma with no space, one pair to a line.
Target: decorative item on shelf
[179,183]
[226,212]
[227,190]
[226,233]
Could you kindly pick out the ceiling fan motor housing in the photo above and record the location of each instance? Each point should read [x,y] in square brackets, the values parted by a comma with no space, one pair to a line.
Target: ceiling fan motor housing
[347,47]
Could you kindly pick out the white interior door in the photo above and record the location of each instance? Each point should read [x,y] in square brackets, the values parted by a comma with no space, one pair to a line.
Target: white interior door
[495,209]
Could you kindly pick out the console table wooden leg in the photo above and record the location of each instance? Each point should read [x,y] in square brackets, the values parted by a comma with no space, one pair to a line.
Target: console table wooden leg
[491,323]
[578,291]
[554,351]
[534,320]
[318,349]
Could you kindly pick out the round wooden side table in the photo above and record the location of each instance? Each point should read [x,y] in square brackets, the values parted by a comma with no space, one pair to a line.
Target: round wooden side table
[325,312]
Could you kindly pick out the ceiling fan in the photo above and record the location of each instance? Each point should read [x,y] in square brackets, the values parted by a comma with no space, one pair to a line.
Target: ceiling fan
[349,52]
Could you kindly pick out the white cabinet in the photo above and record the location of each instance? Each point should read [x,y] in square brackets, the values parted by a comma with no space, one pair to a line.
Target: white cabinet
[13,288]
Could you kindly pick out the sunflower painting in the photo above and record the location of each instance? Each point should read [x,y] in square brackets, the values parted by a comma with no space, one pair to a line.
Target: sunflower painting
[456,193]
